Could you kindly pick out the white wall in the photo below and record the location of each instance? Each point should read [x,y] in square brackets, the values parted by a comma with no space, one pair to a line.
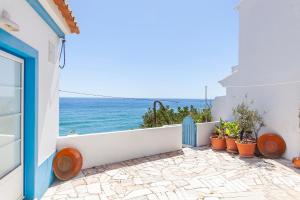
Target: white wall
[269,42]
[269,68]
[279,106]
[36,33]
[204,131]
[221,108]
[104,148]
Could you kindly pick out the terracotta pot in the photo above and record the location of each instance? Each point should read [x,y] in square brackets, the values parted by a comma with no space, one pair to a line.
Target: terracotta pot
[296,162]
[67,163]
[231,145]
[217,144]
[246,150]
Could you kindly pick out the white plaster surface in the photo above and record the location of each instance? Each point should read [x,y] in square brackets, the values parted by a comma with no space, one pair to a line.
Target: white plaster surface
[204,131]
[104,148]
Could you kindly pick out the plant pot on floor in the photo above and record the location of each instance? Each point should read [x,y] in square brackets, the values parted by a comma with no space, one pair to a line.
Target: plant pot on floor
[231,145]
[296,162]
[217,143]
[246,150]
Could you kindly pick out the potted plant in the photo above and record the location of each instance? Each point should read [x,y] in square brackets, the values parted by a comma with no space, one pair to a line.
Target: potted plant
[250,122]
[232,130]
[218,138]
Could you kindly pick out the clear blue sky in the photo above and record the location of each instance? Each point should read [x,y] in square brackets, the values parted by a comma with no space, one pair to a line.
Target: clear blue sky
[151,48]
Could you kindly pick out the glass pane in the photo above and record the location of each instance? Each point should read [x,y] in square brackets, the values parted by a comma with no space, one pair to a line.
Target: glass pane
[10,100]
[10,129]
[10,72]
[10,157]
[10,115]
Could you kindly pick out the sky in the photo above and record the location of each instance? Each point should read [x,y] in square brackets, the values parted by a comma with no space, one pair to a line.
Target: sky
[151,48]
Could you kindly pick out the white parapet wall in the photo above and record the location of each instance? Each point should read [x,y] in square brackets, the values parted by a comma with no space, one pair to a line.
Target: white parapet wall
[204,131]
[104,148]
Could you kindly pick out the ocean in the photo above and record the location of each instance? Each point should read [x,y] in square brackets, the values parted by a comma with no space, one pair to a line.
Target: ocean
[97,115]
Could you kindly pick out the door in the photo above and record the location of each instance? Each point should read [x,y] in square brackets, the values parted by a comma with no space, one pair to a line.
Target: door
[11,127]
[189,132]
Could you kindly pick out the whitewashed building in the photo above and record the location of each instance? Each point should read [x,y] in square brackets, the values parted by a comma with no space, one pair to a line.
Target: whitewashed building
[268,71]
[31,33]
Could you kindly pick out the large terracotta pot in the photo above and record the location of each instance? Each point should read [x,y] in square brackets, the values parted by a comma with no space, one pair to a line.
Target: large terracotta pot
[67,163]
[231,145]
[296,162]
[217,144]
[246,150]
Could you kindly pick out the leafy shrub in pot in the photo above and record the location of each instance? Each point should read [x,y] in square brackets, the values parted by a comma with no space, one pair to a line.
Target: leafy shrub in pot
[232,130]
[250,122]
[218,138]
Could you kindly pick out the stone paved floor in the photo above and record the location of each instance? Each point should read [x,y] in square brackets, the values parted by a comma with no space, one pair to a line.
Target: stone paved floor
[187,174]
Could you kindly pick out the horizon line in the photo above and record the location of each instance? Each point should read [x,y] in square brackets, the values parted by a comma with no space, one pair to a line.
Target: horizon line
[138,98]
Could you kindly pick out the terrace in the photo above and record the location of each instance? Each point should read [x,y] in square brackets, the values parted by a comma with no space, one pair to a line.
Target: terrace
[150,163]
[190,173]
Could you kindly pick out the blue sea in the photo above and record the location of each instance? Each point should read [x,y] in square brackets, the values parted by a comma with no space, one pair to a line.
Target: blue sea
[97,115]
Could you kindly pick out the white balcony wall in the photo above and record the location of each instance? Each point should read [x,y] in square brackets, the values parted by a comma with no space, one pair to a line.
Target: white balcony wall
[204,131]
[103,148]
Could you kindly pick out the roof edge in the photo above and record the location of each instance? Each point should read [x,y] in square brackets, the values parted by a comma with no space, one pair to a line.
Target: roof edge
[66,12]
[228,79]
[55,14]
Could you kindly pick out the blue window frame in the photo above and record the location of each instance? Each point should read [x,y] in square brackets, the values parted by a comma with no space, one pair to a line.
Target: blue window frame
[14,46]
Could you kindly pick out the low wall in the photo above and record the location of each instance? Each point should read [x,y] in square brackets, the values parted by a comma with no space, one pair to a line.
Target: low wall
[103,148]
[204,131]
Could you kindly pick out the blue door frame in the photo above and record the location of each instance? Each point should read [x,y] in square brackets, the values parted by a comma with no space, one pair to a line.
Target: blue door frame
[15,46]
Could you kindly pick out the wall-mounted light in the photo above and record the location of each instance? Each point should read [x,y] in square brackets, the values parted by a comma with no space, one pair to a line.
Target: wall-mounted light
[7,23]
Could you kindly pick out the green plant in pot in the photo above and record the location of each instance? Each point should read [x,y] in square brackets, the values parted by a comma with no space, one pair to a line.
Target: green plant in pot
[250,122]
[232,130]
[218,138]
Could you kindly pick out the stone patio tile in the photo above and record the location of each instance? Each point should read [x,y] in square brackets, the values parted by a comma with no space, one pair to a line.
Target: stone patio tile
[193,173]
[94,188]
[92,197]
[138,193]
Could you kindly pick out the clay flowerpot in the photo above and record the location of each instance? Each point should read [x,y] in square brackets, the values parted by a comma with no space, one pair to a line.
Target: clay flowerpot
[67,163]
[231,145]
[246,150]
[296,162]
[217,144]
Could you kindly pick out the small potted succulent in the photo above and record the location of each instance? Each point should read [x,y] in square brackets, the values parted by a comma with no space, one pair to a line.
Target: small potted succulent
[232,133]
[250,122]
[218,138]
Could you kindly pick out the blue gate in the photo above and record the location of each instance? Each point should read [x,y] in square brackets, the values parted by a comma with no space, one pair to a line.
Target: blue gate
[189,132]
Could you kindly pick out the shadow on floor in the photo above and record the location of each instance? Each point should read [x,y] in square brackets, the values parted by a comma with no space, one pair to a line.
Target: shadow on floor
[128,163]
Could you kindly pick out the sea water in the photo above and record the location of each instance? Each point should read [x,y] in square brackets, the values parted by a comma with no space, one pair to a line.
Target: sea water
[97,115]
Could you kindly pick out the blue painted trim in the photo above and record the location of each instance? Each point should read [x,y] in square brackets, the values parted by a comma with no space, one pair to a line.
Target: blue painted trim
[13,45]
[35,4]
[45,176]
